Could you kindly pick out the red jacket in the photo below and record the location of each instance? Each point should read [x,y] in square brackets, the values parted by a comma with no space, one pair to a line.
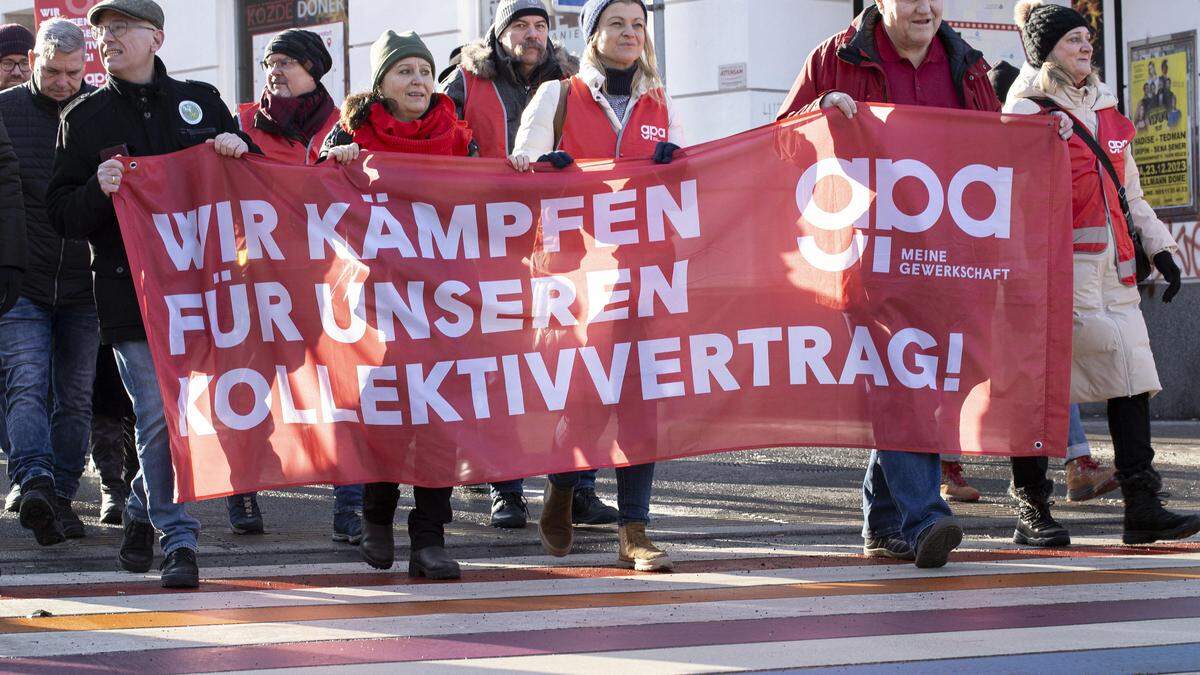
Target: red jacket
[849,63]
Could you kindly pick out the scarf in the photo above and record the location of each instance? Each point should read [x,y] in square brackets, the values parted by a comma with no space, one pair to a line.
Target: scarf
[437,132]
[298,118]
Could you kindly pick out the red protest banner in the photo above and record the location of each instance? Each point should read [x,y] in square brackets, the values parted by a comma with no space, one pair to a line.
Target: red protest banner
[900,281]
[75,11]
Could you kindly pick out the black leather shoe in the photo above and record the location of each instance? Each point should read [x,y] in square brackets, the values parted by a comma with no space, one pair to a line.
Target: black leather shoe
[37,511]
[587,509]
[137,546]
[378,546]
[509,510]
[72,526]
[180,570]
[432,562]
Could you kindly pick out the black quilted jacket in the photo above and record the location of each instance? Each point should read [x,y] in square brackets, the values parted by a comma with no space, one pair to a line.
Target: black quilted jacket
[57,270]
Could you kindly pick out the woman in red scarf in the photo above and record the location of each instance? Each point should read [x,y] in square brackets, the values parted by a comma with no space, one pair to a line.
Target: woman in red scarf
[401,113]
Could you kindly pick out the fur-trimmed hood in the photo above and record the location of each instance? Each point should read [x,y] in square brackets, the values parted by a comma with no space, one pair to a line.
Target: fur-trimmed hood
[477,59]
[357,108]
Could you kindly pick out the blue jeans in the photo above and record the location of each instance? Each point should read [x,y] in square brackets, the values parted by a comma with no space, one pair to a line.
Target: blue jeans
[48,358]
[152,498]
[347,499]
[587,481]
[901,495]
[1077,442]
[634,484]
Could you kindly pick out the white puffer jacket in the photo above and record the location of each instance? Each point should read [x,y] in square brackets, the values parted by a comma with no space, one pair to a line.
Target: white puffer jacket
[1111,349]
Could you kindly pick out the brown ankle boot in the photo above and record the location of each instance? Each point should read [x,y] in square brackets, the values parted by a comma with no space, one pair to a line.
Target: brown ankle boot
[639,552]
[555,523]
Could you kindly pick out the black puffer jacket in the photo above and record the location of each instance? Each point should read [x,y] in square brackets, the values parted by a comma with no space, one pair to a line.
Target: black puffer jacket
[142,120]
[56,269]
[12,209]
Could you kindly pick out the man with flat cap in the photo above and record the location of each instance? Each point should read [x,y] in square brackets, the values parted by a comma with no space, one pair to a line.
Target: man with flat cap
[141,111]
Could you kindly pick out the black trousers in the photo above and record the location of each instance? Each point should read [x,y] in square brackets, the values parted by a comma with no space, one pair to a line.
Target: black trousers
[1129,426]
[426,522]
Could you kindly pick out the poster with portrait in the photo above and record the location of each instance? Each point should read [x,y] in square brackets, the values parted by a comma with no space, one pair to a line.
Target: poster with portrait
[1162,105]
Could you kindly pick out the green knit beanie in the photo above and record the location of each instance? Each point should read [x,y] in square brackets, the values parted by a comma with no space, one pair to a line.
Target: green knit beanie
[391,47]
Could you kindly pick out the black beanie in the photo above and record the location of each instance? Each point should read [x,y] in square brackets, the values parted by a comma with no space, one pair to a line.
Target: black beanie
[1043,25]
[1002,75]
[306,47]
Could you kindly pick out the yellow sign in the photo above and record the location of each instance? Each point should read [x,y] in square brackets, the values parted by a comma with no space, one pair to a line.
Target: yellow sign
[1161,101]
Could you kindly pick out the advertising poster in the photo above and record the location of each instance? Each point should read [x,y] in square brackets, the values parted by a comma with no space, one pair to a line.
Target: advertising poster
[263,19]
[75,11]
[1162,102]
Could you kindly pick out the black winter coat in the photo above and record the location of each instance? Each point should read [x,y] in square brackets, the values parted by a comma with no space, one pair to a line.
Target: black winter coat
[12,207]
[142,120]
[56,269]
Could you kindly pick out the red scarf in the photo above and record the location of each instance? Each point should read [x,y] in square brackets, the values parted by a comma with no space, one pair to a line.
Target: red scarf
[437,132]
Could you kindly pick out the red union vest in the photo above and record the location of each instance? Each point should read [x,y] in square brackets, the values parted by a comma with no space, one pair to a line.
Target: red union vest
[279,148]
[1094,198]
[484,112]
[588,133]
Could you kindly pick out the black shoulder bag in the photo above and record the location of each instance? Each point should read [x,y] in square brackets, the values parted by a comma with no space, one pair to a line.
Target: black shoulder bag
[1143,263]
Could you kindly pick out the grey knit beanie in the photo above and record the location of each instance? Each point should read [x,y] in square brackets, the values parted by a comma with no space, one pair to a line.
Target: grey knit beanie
[509,11]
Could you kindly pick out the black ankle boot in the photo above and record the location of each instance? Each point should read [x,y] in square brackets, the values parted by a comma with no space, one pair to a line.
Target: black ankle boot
[433,562]
[1146,521]
[1035,525]
[37,511]
[378,545]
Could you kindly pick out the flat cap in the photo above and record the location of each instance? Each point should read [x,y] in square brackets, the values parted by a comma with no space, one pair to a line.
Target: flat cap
[146,10]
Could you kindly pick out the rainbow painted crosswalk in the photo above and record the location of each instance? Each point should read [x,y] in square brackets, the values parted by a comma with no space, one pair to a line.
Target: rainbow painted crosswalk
[1089,608]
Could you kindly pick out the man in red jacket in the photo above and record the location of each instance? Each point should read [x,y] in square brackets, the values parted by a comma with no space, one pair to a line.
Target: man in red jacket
[898,51]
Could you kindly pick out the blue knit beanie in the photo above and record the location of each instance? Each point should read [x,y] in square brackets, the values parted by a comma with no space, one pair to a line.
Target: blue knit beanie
[591,15]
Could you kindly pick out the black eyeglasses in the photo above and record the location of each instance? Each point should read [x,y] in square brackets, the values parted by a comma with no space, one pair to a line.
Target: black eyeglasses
[8,65]
[117,29]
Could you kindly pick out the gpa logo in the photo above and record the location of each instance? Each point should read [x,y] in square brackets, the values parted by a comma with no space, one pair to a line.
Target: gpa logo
[653,133]
[1117,147]
[869,204]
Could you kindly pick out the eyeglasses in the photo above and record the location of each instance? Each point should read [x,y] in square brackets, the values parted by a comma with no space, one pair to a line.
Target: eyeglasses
[117,29]
[282,64]
[8,65]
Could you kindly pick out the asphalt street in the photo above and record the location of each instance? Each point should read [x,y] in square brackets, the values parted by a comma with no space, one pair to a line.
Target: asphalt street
[763,497]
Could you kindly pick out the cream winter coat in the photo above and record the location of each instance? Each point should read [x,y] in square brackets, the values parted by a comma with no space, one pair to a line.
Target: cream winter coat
[536,135]
[1111,351]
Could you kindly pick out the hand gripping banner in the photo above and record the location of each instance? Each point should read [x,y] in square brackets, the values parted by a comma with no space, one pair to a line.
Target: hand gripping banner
[897,281]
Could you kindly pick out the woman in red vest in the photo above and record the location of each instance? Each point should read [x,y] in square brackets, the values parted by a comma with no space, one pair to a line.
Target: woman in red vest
[615,107]
[1111,358]
[402,113]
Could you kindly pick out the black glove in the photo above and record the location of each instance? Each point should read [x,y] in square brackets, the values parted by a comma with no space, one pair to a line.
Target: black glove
[664,152]
[1165,264]
[558,159]
[10,288]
